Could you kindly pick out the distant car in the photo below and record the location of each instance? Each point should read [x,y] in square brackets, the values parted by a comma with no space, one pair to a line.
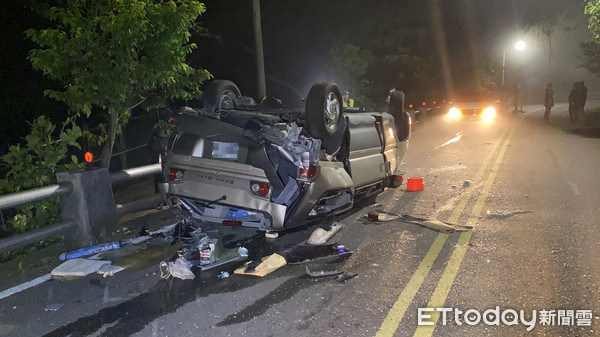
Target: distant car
[478,107]
[268,166]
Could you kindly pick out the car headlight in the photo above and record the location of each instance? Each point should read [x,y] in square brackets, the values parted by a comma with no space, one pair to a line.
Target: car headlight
[454,113]
[488,115]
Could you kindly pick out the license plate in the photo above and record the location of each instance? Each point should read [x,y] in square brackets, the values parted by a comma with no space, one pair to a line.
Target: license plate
[221,150]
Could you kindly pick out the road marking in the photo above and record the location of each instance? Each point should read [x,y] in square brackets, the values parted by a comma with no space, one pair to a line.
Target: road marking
[396,313]
[453,140]
[23,286]
[443,288]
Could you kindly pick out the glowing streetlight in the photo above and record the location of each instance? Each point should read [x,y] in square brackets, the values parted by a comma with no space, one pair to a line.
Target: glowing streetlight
[520,46]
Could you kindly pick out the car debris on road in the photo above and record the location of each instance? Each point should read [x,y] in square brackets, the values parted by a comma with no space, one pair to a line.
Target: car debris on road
[262,267]
[440,226]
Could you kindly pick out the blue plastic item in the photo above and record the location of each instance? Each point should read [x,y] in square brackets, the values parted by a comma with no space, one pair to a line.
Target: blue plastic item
[95,249]
[235,213]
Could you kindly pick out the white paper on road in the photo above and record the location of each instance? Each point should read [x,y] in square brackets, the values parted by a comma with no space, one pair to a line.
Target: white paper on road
[78,268]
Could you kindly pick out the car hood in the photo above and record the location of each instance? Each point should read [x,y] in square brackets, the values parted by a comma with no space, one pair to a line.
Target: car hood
[473,105]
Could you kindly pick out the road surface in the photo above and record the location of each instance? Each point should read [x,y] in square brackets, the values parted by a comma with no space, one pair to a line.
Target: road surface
[530,190]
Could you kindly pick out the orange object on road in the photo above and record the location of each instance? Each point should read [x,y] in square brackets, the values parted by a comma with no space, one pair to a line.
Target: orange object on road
[414,184]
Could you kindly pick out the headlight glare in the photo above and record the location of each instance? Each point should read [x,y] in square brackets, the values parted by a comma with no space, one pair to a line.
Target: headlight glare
[488,115]
[454,114]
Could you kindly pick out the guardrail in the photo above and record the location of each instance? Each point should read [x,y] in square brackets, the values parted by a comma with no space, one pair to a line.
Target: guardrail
[87,203]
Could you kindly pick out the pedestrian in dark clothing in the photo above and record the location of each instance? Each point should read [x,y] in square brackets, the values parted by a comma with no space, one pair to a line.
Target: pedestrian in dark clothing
[581,100]
[572,103]
[548,102]
[518,98]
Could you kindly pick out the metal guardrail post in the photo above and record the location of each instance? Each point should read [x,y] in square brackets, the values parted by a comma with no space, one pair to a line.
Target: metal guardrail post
[87,203]
[91,203]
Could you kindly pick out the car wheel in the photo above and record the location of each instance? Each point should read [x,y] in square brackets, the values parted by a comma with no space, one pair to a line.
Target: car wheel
[323,113]
[220,94]
[401,118]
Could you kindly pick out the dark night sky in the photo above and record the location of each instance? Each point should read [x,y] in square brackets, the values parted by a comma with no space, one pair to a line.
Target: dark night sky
[297,37]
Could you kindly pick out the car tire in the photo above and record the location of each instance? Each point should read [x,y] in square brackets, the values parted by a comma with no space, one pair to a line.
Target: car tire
[401,118]
[219,94]
[323,112]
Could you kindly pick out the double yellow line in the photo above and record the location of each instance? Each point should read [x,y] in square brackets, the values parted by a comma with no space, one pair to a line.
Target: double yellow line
[395,315]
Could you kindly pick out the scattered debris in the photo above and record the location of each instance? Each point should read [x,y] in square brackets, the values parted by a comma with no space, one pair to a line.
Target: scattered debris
[90,250]
[504,215]
[379,216]
[345,277]
[206,247]
[109,270]
[263,267]
[271,235]
[54,307]
[320,236]
[441,226]
[341,249]
[322,273]
[78,268]
[303,252]
[223,275]
[181,269]
[334,258]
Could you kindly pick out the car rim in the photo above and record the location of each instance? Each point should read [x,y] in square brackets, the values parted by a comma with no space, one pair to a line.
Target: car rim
[226,100]
[331,112]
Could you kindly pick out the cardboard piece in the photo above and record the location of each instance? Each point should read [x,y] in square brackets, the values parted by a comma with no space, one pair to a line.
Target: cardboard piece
[321,236]
[268,265]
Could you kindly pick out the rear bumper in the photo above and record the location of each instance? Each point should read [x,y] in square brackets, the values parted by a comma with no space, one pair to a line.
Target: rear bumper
[234,198]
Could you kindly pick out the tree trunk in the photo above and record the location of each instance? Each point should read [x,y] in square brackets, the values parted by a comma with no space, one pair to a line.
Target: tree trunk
[111,134]
[122,149]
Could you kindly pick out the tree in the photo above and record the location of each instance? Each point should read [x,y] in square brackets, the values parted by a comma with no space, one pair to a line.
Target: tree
[591,49]
[350,63]
[545,15]
[592,8]
[113,55]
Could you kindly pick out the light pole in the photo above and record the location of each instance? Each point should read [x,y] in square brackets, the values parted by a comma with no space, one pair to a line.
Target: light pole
[520,46]
[260,59]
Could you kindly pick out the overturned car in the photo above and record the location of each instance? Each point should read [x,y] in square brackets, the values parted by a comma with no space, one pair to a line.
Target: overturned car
[268,166]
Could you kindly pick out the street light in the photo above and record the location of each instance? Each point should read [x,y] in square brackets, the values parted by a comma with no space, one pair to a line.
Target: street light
[520,46]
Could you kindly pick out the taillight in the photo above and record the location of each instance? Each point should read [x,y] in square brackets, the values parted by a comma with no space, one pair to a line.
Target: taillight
[308,172]
[434,102]
[262,189]
[424,104]
[410,106]
[175,174]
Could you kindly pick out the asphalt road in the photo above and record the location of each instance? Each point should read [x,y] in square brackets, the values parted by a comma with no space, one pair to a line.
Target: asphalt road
[530,190]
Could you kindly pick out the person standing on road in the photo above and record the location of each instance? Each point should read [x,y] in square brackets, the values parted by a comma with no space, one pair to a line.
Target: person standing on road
[572,104]
[518,98]
[548,102]
[348,102]
[581,100]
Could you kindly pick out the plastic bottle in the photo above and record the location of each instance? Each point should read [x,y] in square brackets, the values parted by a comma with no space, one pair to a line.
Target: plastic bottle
[223,275]
[95,249]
